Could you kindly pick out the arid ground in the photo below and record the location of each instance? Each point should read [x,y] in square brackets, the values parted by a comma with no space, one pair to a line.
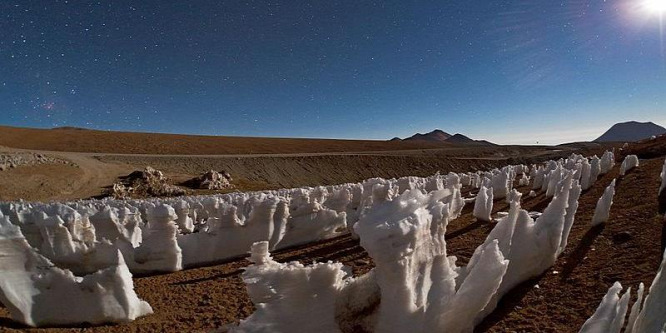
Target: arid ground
[98,158]
[627,249]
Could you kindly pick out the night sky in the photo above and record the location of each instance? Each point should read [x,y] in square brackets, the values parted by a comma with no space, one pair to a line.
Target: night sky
[506,71]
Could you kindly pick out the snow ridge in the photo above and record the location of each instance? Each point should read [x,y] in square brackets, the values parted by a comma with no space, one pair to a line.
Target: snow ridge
[415,285]
[36,293]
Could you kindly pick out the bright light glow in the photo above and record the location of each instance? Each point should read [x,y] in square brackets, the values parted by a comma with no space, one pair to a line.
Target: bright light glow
[655,6]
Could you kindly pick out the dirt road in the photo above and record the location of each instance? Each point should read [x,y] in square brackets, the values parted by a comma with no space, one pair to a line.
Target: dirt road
[90,174]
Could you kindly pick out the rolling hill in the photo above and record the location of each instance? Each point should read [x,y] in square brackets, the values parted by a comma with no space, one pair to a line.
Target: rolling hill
[441,137]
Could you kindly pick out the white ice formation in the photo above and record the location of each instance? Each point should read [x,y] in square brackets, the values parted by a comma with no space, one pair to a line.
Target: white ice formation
[586,171]
[483,205]
[538,175]
[415,286]
[602,210]
[611,313]
[630,162]
[386,299]
[595,169]
[84,236]
[607,162]
[663,178]
[501,182]
[524,180]
[646,316]
[159,251]
[591,169]
[165,235]
[37,293]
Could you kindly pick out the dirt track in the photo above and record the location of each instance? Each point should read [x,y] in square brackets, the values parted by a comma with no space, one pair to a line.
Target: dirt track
[83,177]
[89,174]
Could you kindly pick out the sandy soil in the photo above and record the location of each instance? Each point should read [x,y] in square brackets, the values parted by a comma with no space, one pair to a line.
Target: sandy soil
[627,249]
[92,141]
[90,174]
[83,177]
[98,158]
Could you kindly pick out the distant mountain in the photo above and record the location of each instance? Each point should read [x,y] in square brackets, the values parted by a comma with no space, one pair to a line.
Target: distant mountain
[631,131]
[70,128]
[441,136]
[459,138]
[436,136]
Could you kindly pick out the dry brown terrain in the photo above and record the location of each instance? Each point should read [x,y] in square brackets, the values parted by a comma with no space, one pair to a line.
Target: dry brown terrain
[627,249]
[89,175]
[98,158]
[93,141]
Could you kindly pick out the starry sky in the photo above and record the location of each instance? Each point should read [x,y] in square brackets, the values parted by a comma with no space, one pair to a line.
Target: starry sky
[506,71]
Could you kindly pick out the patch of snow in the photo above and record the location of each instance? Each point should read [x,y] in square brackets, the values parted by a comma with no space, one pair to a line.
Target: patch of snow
[630,162]
[37,294]
[607,162]
[663,178]
[483,205]
[415,286]
[609,316]
[645,317]
[602,210]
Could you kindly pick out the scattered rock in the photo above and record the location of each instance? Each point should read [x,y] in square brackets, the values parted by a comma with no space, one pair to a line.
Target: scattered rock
[147,183]
[212,180]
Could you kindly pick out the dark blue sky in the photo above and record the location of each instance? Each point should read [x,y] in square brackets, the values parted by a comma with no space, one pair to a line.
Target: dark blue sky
[507,71]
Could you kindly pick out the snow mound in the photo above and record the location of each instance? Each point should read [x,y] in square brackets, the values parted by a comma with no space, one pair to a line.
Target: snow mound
[415,286]
[483,205]
[602,210]
[586,171]
[609,317]
[662,191]
[84,236]
[607,162]
[524,180]
[36,293]
[533,246]
[284,294]
[663,178]
[645,317]
[159,251]
[630,162]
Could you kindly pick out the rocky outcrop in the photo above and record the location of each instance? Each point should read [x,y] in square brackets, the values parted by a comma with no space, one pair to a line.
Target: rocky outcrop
[147,183]
[212,180]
